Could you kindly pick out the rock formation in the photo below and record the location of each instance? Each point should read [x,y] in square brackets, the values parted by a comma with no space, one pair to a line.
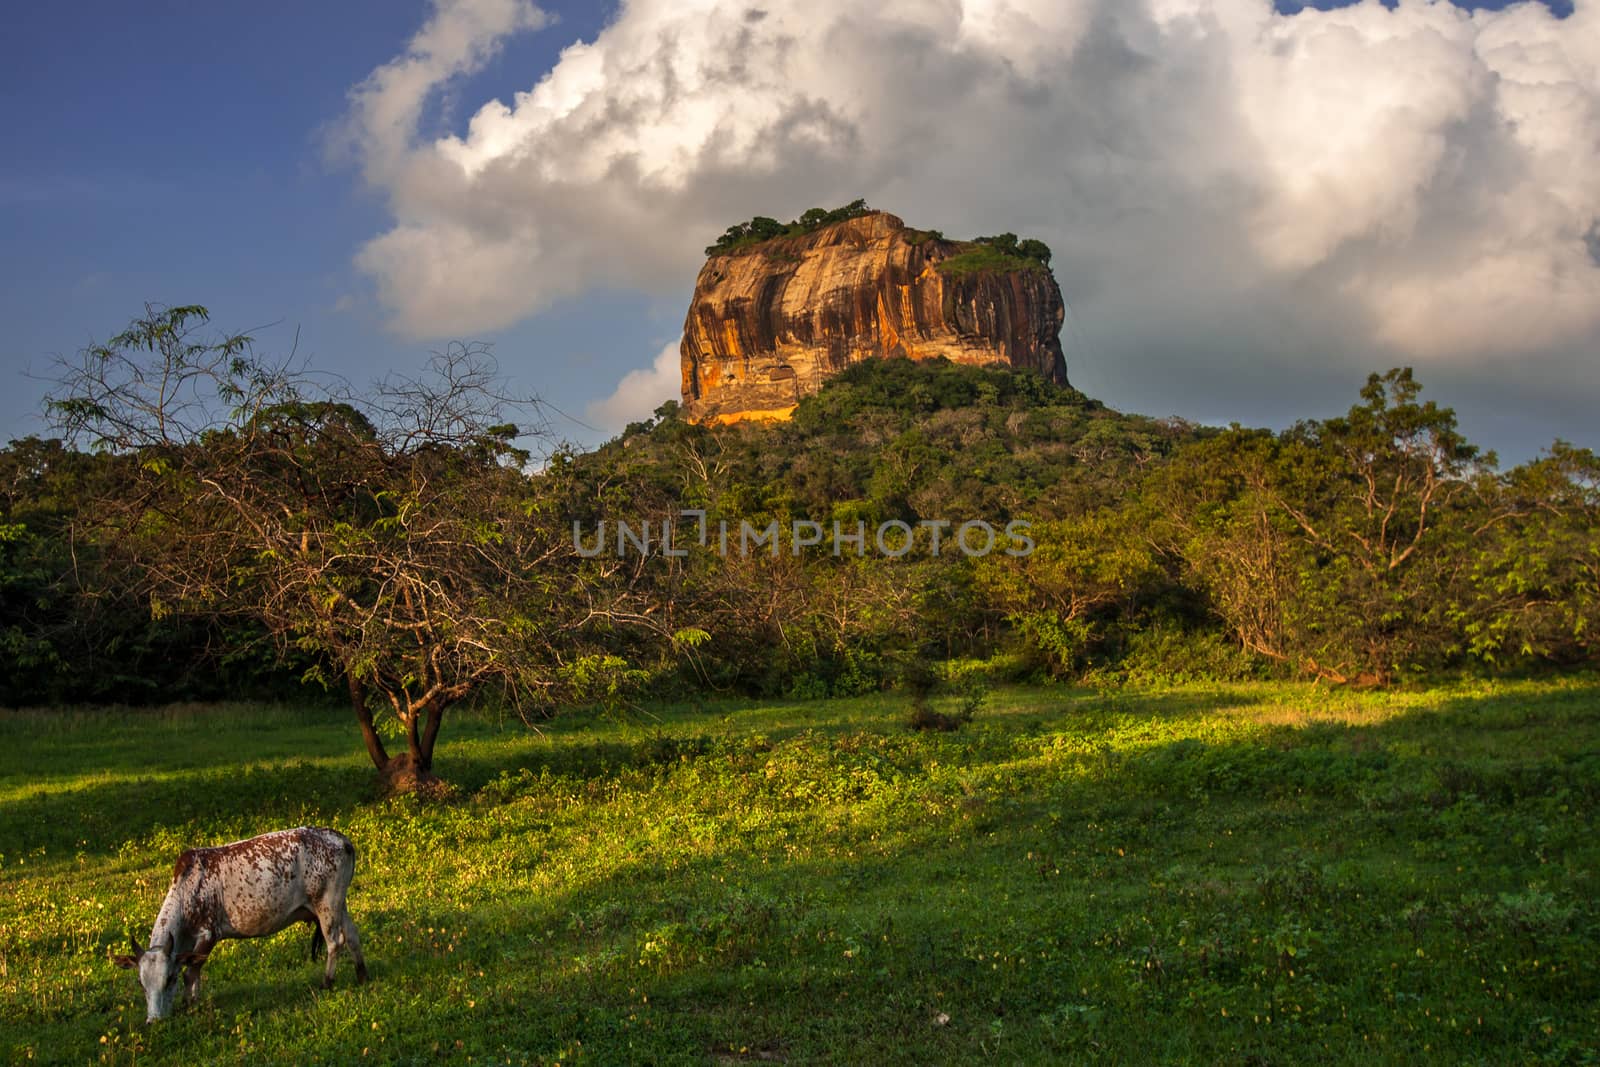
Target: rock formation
[770,322]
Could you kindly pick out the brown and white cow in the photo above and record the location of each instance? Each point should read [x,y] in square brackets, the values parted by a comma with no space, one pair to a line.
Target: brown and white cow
[249,888]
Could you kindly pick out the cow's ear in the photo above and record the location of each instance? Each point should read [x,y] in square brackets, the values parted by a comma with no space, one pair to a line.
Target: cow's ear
[187,958]
[125,962]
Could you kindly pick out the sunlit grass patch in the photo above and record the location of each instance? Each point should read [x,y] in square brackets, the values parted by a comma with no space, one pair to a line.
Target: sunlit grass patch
[1240,872]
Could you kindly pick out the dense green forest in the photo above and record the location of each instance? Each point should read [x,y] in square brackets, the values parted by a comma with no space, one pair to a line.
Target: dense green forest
[1372,547]
[403,550]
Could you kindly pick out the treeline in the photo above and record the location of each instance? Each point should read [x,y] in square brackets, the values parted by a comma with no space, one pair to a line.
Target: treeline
[763,228]
[75,623]
[1371,547]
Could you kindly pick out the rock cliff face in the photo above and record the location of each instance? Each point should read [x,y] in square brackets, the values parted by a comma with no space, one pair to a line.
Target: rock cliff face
[771,322]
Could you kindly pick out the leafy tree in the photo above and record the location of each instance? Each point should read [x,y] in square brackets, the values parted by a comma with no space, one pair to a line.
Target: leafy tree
[1535,565]
[392,536]
[1210,512]
[1338,547]
[1057,595]
[37,588]
[1033,248]
[1375,494]
[73,625]
[999,253]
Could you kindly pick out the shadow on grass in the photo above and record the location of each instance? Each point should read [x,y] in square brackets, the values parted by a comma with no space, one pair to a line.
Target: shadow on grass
[37,745]
[99,818]
[185,770]
[154,773]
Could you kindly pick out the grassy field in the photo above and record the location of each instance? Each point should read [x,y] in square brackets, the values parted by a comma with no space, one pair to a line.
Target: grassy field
[1251,874]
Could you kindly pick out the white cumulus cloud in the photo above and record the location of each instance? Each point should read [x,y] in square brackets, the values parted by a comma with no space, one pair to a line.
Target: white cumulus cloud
[1358,186]
[640,392]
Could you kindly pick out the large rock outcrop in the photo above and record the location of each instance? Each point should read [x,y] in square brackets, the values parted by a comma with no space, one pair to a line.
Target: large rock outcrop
[771,322]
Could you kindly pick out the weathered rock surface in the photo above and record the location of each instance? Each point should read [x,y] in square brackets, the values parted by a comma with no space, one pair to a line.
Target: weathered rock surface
[770,323]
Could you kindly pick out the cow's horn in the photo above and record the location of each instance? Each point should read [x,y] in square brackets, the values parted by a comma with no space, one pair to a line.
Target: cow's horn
[137,951]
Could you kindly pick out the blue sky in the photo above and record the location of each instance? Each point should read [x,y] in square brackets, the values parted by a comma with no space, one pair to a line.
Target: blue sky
[175,153]
[178,153]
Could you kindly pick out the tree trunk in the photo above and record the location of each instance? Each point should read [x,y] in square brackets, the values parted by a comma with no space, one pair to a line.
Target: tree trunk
[412,770]
[430,732]
[402,774]
[414,741]
[369,732]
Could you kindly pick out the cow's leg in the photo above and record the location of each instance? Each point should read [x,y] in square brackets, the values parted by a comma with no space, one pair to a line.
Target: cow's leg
[333,935]
[352,938]
[192,962]
[337,928]
[316,939]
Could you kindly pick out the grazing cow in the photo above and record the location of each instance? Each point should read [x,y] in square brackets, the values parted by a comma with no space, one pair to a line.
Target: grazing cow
[250,888]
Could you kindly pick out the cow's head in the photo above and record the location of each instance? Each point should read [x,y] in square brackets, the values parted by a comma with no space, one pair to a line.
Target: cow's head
[160,971]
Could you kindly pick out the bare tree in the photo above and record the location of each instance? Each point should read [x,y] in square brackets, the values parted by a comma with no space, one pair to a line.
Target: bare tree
[394,536]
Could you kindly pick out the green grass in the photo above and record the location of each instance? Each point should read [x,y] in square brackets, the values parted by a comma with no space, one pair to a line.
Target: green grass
[1250,874]
[982,258]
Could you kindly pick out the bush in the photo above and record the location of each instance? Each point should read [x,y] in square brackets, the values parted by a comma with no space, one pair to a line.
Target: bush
[1165,654]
